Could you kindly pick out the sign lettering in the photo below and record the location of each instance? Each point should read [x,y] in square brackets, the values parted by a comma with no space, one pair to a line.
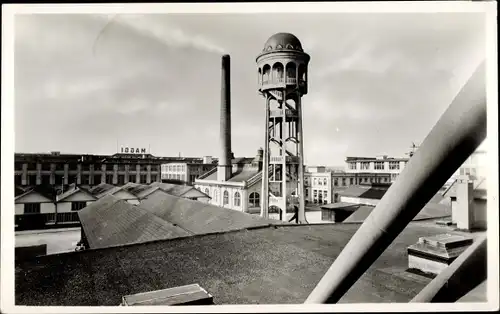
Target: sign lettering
[132,150]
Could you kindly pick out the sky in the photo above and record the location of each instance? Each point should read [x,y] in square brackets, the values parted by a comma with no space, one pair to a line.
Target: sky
[377,81]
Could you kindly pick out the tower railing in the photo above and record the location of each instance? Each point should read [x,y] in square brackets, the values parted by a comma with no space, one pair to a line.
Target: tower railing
[456,135]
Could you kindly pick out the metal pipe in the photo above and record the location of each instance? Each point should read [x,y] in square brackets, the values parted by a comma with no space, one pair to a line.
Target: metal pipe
[456,280]
[455,136]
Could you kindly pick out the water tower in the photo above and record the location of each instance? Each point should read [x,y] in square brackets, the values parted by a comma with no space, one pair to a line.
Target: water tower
[282,80]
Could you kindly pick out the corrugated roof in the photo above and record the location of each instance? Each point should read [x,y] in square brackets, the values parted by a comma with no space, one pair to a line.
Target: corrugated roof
[198,217]
[177,189]
[261,266]
[72,190]
[139,190]
[103,189]
[44,190]
[113,222]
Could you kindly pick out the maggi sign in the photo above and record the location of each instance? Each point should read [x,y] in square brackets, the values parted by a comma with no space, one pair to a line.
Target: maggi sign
[132,150]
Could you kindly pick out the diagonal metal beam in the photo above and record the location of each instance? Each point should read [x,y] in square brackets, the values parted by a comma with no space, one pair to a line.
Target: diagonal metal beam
[456,135]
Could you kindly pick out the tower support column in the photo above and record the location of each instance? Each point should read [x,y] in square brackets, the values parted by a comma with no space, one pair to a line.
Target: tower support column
[301,193]
[264,210]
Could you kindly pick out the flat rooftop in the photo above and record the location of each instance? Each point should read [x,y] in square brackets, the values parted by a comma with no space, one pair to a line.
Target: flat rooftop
[266,265]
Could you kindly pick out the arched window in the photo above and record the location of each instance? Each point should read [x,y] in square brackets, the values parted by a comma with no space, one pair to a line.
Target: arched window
[324,181]
[225,198]
[207,192]
[266,74]
[291,72]
[237,199]
[302,73]
[254,199]
[277,72]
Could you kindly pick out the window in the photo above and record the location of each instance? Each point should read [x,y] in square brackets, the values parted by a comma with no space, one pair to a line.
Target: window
[343,181]
[315,181]
[78,205]
[237,199]
[324,181]
[335,182]
[154,178]
[352,165]
[85,179]
[32,208]
[109,179]
[225,198]
[315,196]
[143,178]
[307,193]
[254,199]
[351,181]
[394,165]
[319,182]
[325,197]
[32,179]
[216,195]
[207,192]
[97,179]
[365,165]
[379,165]
[121,179]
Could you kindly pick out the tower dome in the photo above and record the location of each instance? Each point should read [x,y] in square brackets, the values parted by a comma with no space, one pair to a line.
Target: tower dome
[281,41]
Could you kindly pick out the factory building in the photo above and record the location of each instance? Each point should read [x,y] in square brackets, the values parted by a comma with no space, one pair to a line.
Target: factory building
[57,169]
[379,165]
[323,187]
[187,172]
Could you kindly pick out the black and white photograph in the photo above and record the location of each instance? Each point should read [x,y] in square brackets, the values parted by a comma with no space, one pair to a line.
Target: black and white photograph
[249,157]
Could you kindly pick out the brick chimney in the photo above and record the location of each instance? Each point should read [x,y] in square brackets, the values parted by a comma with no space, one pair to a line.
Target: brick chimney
[224,167]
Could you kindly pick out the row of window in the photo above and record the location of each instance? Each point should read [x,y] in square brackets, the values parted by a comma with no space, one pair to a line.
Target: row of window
[173,168]
[35,208]
[253,198]
[84,167]
[377,165]
[85,179]
[174,176]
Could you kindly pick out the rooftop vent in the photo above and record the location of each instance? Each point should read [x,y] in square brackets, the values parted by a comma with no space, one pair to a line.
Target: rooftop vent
[183,295]
[433,254]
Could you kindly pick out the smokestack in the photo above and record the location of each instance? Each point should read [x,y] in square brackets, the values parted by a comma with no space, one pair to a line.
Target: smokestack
[224,167]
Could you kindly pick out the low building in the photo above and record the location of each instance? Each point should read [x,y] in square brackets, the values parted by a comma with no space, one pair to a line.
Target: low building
[242,192]
[377,165]
[34,208]
[323,187]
